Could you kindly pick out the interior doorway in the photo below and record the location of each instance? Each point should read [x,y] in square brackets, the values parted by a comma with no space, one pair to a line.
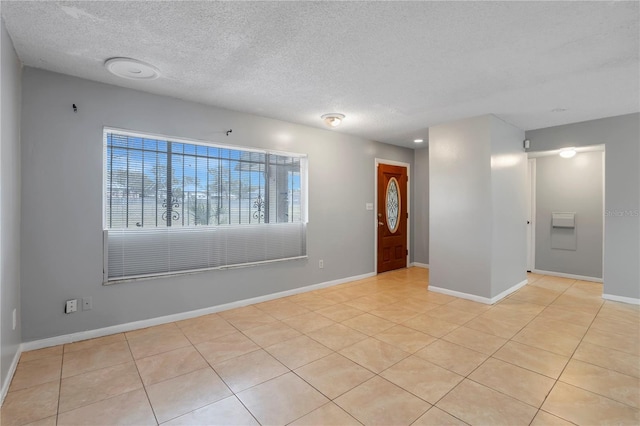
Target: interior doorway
[565,212]
[392,216]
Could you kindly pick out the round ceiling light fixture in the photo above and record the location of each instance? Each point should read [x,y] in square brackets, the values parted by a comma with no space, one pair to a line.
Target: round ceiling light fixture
[132,69]
[333,119]
[418,140]
[567,152]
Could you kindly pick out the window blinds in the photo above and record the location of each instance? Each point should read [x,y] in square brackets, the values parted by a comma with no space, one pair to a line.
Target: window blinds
[135,253]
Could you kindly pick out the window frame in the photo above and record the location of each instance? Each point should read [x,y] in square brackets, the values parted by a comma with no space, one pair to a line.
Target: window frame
[303,203]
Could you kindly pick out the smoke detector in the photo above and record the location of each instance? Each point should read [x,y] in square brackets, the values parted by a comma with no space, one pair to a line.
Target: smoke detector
[132,69]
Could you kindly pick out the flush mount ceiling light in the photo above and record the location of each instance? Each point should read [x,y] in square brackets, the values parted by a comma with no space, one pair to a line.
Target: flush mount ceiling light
[418,140]
[567,152]
[333,119]
[131,69]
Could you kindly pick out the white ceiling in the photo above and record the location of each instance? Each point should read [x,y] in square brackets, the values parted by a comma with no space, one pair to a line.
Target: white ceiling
[393,68]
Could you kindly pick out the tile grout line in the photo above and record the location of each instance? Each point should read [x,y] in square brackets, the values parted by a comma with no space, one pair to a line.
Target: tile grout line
[569,360]
[180,375]
[539,315]
[60,387]
[377,374]
[588,390]
[413,354]
[332,400]
[144,387]
[491,356]
[234,394]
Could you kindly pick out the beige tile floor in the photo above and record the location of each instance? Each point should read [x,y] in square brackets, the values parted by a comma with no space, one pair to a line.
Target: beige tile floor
[383,350]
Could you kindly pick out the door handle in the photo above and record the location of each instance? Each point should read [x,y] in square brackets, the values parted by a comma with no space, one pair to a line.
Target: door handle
[380,223]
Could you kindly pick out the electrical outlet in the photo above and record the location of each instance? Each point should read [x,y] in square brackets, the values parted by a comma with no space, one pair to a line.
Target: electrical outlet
[321,264]
[87,303]
[15,319]
[71,306]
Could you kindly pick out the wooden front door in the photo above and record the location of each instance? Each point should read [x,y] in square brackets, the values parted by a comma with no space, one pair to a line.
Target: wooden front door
[392,217]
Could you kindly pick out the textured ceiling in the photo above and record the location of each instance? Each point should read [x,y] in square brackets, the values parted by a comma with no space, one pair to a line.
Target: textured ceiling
[393,68]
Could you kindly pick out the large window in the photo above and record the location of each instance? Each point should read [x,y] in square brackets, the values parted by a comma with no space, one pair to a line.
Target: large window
[174,205]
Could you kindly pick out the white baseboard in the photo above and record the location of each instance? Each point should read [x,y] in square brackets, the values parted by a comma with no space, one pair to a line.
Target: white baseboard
[508,291]
[563,275]
[623,299]
[10,373]
[459,294]
[475,298]
[420,265]
[120,328]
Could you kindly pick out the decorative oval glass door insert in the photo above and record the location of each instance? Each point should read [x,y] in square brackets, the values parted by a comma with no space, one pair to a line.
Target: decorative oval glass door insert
[393,205]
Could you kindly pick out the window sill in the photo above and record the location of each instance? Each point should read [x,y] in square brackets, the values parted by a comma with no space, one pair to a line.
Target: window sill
[198,271]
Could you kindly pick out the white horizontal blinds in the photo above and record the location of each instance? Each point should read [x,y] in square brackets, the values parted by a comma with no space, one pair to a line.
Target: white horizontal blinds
[145,252]
[177,206]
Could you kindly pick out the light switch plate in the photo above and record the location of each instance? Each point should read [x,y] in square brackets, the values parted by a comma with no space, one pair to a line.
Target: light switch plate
[87,303]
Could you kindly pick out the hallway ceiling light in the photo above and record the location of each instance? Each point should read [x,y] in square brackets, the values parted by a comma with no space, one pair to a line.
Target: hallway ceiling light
[132,69]
[418,140]
[333,119]
[567,152]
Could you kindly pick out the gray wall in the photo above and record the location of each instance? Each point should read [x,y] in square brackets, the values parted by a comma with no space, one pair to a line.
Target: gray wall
[460,206]
[9,202]
[421,206]
[509,206]
[62,203]
[570,185]
[477,172]
[621,136]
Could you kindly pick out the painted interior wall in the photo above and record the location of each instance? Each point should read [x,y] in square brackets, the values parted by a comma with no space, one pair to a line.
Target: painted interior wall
[10,339]
[477,175]
[621,137]
[570,185]
[62,203]
[460,206]
[421,207]
[509,207]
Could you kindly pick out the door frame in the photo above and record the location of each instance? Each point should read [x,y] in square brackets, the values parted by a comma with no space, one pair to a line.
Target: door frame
[375,209]
[531,156]
[531,214]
